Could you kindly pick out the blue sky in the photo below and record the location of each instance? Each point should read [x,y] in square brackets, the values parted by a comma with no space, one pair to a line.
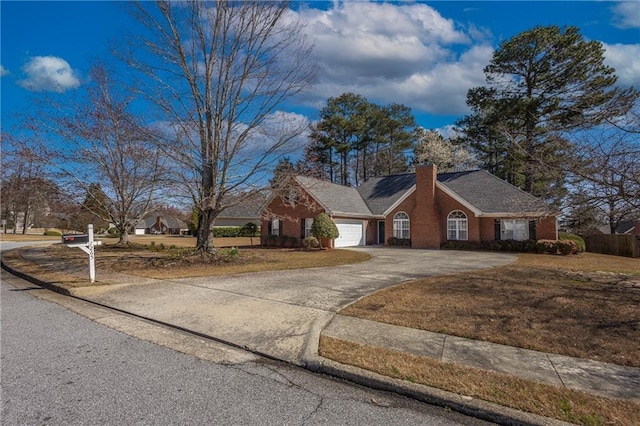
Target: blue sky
[425,55]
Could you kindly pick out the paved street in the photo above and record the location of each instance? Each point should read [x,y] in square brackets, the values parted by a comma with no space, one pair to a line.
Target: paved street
[61,368]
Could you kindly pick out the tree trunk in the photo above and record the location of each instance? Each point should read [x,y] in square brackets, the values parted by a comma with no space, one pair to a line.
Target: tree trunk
[205,231]
[25,221]
[344,168]
[124,236]
[331,170]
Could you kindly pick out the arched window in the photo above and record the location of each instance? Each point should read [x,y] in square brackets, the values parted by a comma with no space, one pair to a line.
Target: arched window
[457,226]
[401,225]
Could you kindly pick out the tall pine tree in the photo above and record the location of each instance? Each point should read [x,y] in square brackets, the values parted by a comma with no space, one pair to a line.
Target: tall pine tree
[542,85]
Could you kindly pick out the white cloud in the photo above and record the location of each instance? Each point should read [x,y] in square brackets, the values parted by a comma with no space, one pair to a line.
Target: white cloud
[448,131]
[286,130]
[49,73]
[627,14]
[625,58]
[3,71]
[403,53]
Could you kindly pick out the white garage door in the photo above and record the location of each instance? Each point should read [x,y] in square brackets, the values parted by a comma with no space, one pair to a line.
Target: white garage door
[351,233]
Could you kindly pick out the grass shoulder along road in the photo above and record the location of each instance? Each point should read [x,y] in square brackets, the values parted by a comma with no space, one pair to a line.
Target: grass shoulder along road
[584,306]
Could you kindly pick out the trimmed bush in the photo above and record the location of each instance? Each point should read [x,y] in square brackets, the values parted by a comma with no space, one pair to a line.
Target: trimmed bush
[311,242]
[282,240]
[324,227]
[402,242]
[52,234]
[249,229]
[226,231]
[271,240]
[563,247]
[582,247]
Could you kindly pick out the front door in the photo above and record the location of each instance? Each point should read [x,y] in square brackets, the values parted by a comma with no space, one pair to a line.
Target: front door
[381,232]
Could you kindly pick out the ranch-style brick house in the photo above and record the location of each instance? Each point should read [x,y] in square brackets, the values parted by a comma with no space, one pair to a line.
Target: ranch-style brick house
[427,208]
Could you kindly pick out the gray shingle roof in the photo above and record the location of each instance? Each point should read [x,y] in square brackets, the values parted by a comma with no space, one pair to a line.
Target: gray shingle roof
[250,208]
[174,223]
[169,222]
[624,227]
[336,198]
[479,188]
[382,192]
[147,222]
[490,194]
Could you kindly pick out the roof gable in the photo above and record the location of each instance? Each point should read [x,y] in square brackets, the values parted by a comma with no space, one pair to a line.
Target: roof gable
[381,193]
[335,198]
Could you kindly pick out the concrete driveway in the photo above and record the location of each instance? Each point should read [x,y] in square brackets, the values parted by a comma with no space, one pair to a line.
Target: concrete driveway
[281,313]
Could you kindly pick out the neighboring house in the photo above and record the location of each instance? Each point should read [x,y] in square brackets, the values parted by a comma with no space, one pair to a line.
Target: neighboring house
[424,207]
[249,210]
[160,225]
[630,227]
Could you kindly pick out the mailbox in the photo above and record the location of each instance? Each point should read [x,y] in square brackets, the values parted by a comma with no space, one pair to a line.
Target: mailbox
[75,239]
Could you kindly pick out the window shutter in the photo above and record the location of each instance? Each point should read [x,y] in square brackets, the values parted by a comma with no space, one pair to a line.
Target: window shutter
[302,227]
[269,227]
[496,226]
[532,230]
[280,227]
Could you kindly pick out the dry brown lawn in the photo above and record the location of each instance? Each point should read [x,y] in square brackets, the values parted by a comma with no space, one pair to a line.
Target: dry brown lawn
[579,308]
[166,261]
[184,241]
[27,237]
[543,399]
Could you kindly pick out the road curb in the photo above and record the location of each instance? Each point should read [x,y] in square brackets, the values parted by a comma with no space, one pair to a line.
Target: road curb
[34,280]
[465,405]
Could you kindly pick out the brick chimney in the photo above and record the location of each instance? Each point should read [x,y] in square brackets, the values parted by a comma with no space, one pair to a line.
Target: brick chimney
[425,221]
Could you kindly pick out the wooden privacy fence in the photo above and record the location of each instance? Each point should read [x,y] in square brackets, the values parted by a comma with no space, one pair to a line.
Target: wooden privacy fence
[617,245]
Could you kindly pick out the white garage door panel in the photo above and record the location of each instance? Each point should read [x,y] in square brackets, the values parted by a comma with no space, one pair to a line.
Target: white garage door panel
[351,233]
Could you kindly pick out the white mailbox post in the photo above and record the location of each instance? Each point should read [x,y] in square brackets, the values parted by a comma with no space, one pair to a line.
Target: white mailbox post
[87,245]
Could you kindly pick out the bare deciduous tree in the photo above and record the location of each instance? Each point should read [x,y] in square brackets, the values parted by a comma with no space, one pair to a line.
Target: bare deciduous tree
[107,148]
[606,174]
[218,73]
[27,190]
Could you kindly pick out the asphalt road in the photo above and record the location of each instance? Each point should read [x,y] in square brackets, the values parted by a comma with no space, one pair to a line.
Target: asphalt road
[58,367]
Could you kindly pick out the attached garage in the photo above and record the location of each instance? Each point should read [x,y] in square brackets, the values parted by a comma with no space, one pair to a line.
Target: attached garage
[351,233]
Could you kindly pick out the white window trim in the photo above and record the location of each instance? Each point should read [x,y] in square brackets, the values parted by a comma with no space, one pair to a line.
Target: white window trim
[458,227]
[398,229]
[275,227]
[518,229]
[308,223]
